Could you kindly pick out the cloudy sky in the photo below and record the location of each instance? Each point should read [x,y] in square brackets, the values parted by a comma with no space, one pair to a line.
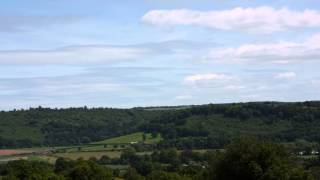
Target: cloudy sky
[129,53]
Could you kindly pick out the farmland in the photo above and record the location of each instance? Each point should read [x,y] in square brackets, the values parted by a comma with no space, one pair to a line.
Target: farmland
[131,138]
[150,139]
[112,148]
[87,155]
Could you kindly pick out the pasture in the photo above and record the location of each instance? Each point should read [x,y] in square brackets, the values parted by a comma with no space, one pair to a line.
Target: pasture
[112,148]
[131,138]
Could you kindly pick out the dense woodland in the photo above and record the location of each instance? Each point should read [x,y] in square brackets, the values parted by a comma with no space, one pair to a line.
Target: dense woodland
[245,158]
[272,135]
[196,127]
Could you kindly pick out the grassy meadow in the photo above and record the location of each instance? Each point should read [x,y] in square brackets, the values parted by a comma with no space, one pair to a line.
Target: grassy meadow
[112,148]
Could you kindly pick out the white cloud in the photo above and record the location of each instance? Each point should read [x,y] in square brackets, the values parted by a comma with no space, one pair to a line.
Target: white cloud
[234,87]
[313,41]
[259,20]
[73,55]
[95,54]
[278,53]
[72,89]
[285,75]
[207,77]
[19,23]
[315,82]
[183,97]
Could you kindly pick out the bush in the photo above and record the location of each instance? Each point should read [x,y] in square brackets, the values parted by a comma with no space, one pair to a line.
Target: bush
[253,159]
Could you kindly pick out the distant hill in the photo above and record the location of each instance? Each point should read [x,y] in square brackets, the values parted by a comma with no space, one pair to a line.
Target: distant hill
[131,138]
[72,126]
[205,126]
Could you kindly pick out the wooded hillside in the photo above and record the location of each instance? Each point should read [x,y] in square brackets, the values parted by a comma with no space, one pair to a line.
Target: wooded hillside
[205,126]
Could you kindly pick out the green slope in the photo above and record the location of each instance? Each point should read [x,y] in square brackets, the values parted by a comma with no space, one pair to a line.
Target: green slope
[201,124]
[126,139]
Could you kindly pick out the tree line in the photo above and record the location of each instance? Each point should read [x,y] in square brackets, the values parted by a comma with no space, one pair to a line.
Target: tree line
[244,158]
[205,126]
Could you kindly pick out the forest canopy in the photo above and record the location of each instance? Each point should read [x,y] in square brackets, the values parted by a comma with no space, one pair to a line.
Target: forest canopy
[204,126]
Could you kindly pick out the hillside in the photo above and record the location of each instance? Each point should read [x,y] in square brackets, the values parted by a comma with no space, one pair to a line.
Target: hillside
[206,126]
[213,126]
[52,127]
[127,139]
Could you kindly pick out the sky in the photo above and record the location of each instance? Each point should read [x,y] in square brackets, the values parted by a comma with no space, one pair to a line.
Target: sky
[101,53]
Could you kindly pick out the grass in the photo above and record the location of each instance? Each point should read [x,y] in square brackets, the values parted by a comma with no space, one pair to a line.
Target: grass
[96,149]
[48,159]
[127,139]
[93,148]
[87,155]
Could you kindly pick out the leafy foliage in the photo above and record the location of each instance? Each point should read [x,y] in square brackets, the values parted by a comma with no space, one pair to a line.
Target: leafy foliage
[245,158]
[252,159]
[206,126]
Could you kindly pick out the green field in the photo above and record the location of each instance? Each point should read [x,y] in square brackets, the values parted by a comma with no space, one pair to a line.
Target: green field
[276,121]
[97,150]
[116,143]
[130,138]
[87,155]
[114,148]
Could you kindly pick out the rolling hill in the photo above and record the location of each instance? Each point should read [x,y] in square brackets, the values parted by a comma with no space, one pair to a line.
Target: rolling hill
[210,125]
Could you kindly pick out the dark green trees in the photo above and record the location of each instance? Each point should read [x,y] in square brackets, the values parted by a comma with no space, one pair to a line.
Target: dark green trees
[88,170]
[161,175]
[25,170]
[251,159]
[64,169]
[205,126]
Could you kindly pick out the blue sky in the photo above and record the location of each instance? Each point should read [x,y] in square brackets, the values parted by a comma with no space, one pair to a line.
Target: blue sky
[128,53]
